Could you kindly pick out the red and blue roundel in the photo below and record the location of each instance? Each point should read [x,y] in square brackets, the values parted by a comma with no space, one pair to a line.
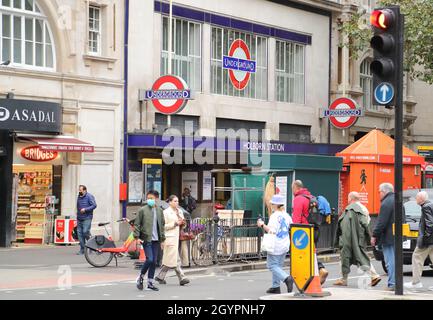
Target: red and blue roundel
[239,64]
[169,94]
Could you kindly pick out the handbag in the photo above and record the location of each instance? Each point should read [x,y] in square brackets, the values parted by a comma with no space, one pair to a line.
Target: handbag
[268,242]
[184,235]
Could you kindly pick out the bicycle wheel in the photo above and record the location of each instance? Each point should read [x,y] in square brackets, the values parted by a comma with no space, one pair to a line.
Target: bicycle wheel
[98,259]
[200,251]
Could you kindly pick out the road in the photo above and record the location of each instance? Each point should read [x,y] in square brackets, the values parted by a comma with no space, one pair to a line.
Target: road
[44,280]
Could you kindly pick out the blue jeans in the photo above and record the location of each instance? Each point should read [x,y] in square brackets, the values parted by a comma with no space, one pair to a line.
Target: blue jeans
[275,265]
[83,231]
[151,250]
[389,255]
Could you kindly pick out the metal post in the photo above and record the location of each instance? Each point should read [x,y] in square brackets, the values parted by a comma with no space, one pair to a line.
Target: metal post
[170,39]
[215,221]
[6,163]
[399,167]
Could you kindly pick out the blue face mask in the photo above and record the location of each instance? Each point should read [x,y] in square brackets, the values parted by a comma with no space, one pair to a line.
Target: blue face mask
[151,202]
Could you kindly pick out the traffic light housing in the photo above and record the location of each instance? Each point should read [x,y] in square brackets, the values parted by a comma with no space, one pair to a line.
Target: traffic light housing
[387,52]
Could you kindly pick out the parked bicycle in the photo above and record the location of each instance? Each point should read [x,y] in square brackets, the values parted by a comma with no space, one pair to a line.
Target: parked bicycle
[101,250]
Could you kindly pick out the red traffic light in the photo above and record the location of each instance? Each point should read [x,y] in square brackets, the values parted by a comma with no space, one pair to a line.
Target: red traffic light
[382,19]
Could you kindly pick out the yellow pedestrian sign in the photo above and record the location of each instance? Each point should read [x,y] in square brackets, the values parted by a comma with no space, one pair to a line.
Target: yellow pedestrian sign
[302,255]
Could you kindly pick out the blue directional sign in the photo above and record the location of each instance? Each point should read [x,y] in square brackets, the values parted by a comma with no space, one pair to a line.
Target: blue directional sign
[300,239]
[384,93]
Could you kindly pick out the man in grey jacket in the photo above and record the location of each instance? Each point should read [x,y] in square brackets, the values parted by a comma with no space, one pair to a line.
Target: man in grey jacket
[424,245]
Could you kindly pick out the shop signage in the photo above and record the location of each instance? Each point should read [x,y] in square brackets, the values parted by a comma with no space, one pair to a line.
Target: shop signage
[343,113]
[30,116]
[35,154]
[169,94]
[239,64]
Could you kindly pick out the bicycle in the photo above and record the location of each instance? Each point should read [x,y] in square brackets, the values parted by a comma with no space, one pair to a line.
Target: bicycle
[100,250]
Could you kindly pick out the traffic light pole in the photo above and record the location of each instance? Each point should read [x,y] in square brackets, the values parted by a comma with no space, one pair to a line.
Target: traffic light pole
[399,167]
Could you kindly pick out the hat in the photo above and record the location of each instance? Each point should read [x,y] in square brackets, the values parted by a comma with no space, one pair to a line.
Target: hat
[278,199]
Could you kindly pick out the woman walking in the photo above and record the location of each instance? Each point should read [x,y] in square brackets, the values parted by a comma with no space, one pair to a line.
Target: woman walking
[174,220]
[279,224]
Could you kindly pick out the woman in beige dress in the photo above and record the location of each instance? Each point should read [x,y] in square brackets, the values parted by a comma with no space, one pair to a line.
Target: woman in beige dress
[174,220]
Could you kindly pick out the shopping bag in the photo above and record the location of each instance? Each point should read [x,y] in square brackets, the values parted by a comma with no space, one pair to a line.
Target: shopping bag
[268,242]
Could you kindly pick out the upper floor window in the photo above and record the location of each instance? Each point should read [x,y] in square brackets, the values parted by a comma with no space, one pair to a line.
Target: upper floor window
[186,51]
[26,39]
[366,81]
[94,30]
[290,72]
[222,40]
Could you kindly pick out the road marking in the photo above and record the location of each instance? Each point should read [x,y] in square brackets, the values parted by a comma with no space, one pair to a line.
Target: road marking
[221,279]
[250,280]
[101,285]
[106,295]
[73,294]
[175,297]
[41,292]
[141,296]
[210,298]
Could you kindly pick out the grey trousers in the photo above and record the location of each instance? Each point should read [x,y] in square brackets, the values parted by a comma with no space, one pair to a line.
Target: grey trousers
[418,258]
[164,269]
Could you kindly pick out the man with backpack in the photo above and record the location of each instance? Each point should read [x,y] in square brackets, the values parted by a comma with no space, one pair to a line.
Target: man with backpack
[301,213]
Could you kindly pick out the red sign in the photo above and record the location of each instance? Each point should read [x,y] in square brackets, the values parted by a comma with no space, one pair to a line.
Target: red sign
[35,154]
[239,64]
[343,113]
[63,231]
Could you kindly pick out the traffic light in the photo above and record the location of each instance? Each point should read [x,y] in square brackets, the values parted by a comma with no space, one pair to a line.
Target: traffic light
[387,49]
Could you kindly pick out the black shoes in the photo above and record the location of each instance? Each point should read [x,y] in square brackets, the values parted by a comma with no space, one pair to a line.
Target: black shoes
[160,281]
[151,287]
[184,282]
[289,283]
[140,282]
[274,290]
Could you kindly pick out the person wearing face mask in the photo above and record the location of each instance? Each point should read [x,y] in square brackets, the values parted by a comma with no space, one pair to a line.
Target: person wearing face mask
[149,228]
[85,205]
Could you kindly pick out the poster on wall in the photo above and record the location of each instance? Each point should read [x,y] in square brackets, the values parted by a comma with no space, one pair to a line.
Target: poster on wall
[281,188]
[190,181]
[135,186]
[207,185]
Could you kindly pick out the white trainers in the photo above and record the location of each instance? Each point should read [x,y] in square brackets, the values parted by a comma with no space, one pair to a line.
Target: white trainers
[410,285]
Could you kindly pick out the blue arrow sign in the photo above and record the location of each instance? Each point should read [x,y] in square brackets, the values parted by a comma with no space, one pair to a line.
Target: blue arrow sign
[300,239]
[384,93]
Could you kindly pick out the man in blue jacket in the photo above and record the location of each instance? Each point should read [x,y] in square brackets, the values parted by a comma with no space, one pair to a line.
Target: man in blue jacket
[85,205]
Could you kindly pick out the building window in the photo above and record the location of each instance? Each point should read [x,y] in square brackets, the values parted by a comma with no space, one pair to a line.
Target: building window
[179,122]
[295,133]
[222,40]
[94,30]
[253,129]
[290,72]
[186,51]
[366,80]
[26,39]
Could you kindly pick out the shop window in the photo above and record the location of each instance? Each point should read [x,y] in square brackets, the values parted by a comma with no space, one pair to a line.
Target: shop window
[221,41]
[295,133]
[179,122]
[186,51]
[290,72]
[26,38]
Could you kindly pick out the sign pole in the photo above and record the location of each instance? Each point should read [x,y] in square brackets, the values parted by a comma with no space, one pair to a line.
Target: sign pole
[170,39]
[399,167]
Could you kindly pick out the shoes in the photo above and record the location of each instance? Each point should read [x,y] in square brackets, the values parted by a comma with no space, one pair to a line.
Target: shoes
[289,283]
[80,253]
[390,289]
[323,274]
[184,281]
[160,281]
[151,287]
[410,285]
[274,290]
[341,282]
[375,281]
[139,282]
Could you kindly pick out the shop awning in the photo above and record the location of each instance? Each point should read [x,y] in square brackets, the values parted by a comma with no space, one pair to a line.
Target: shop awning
[61,144]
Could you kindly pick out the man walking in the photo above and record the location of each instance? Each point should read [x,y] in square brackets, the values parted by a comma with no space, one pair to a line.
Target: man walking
[383,234]
[353,237]
[149,228]
[188,201]
[85,205]
[424,245]
[300,212]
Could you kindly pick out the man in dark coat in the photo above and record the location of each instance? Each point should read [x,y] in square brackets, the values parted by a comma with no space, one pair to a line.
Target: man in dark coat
[424,245]
[353,237]
[383,234]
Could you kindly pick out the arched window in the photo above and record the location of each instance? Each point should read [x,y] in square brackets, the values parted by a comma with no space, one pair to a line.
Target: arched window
[26,39]
[366,84]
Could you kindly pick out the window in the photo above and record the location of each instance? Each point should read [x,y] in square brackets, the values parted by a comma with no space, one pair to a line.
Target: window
[177,121]
[295,133]
[94,30]
[227,124]
[25,35]
[186,51]
[220,80]
[290,72]
[366,80]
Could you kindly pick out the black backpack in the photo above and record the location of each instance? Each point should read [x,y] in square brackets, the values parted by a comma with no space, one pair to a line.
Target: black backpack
[314,215]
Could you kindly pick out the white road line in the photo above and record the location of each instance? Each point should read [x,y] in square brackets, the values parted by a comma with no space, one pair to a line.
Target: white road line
[106,295]
[210,298]
[250,280]
[101,285]
[141,296]
[40,292]
[175,297]
[73,294]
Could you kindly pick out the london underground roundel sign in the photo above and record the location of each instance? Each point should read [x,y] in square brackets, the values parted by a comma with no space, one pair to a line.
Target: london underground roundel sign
[169,94]
[343,113]
[239,64]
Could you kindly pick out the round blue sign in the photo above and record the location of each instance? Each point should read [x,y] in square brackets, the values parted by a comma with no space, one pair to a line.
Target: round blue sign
[300,239]
[384,93]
